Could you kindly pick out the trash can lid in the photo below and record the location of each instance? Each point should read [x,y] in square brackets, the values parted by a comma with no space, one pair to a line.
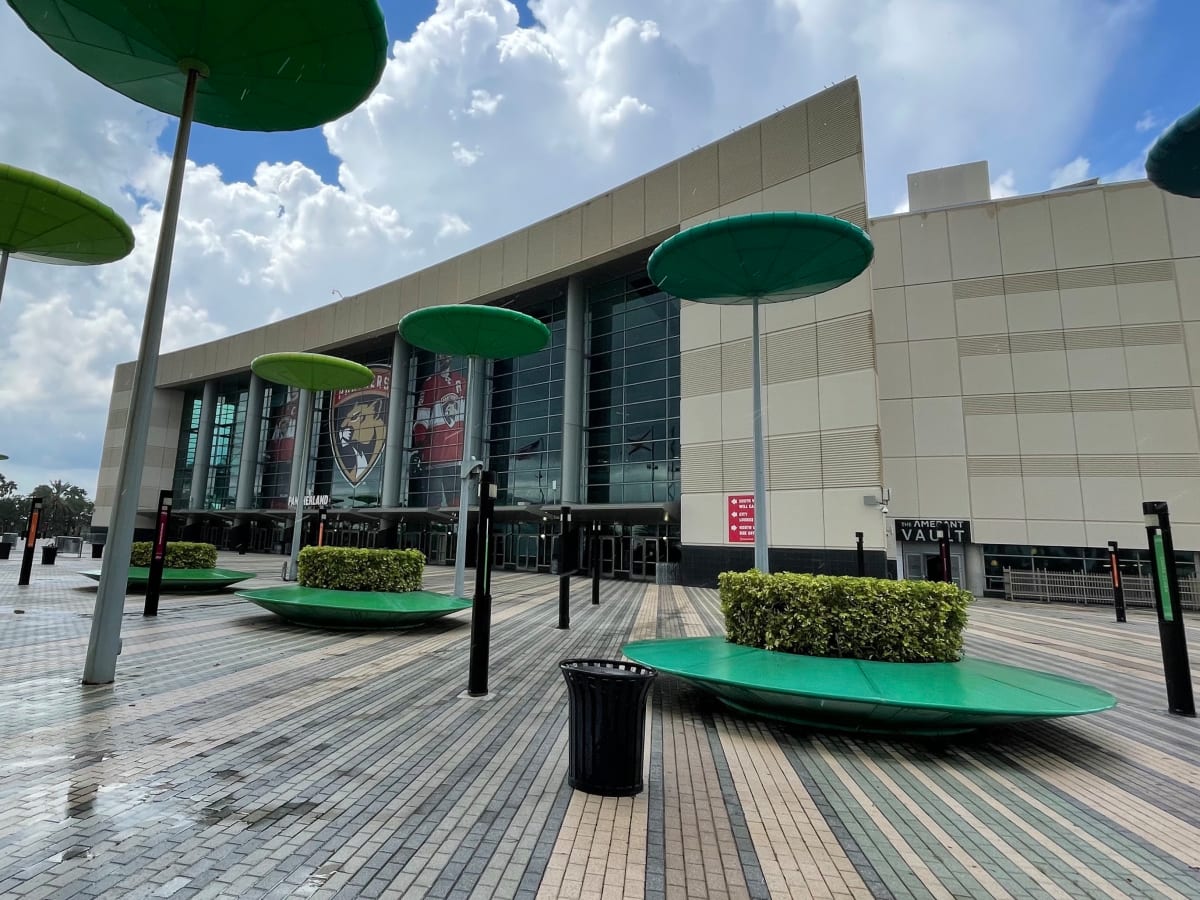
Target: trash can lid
[612,667]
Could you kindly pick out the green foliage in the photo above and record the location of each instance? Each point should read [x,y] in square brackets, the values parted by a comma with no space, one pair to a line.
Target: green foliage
[856,618]
[13,506]
[67,508]
[351,569]
[180,555]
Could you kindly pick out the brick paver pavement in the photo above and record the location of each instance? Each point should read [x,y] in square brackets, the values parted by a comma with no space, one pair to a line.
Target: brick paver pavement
[238,756]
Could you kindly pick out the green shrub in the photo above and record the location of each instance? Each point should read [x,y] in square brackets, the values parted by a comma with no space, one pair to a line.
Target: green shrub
[857,618]
[350,569]
[180,555]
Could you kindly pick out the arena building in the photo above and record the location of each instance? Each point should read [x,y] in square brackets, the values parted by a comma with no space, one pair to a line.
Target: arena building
[1017,371]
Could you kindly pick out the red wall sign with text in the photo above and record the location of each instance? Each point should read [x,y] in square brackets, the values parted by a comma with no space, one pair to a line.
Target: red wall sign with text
[740,519]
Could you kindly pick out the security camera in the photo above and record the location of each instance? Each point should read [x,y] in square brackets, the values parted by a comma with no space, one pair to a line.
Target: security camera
[476,467]
[883,509]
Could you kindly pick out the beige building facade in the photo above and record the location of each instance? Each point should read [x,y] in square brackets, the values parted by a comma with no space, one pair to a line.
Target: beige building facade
[1024,366]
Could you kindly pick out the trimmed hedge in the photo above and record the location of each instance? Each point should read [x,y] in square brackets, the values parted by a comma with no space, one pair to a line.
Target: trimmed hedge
[352,569]
[856,618]
[180,555]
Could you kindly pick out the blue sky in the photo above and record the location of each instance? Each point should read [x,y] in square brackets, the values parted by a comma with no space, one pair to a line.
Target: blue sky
[1158,73]
[1154,79]
[237,153]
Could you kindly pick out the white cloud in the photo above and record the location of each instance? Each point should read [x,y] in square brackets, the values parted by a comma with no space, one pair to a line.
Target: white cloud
[463,156]
[452,226]
[1072,173]
[483,104]
[536,119]
[1004,185]
[1147,122]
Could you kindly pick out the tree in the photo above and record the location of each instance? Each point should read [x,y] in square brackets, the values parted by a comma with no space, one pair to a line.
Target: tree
[67,507]
[12,506]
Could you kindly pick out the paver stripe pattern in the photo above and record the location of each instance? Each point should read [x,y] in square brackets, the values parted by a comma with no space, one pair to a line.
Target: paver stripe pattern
[238,756]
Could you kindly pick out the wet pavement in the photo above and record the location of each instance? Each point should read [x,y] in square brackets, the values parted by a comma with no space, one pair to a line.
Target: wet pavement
[239,756]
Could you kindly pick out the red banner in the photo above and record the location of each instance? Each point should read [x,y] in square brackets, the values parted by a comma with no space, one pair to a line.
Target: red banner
[741,519]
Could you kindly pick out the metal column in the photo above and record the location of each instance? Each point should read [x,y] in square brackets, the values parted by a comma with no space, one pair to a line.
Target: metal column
[251,437]
[572,433]
[393,454]
[104,641]
[198,498]
[470,425]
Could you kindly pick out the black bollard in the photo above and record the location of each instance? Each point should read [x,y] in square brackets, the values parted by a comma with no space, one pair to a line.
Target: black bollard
[481,603]
[595,563]
[862,561]
[564,601]
[944,552]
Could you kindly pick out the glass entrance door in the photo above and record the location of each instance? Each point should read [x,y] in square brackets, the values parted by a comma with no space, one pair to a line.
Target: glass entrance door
[643,558]
[927,566]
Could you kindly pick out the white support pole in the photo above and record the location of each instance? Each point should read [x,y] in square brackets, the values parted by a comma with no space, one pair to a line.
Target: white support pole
[304,416]
[760,463]
[3,270]
[104,643]
[474,383]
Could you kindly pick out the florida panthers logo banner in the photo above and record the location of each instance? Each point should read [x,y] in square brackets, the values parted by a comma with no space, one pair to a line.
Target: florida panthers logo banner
[358,421]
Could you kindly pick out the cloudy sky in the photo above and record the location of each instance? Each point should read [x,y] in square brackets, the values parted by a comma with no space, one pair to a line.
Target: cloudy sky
[492,115]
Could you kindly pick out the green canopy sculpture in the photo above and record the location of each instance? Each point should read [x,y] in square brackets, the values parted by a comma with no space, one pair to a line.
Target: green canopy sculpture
[1173,162]
[47,221]
[478,333]
[251,65]
[753,259]
[309,372]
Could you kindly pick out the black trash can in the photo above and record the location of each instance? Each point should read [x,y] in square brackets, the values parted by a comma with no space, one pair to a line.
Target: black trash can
[48,554]
[97,551]
[5,550]
[607,719]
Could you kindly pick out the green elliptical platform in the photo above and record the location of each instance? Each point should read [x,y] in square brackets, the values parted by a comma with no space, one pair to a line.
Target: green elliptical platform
[462,329]
[323,608]
[182,581]
[1173,163]
[311,371]
[868,696]
[47,221]
[274,65]
[761,258]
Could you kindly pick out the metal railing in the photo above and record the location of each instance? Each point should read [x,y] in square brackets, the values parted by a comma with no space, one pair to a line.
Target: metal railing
[1077,587]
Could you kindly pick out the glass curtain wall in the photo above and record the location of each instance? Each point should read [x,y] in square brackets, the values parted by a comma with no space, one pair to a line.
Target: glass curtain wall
[228,427]
[525,439]
[276,442]
[632,393]
[185,456]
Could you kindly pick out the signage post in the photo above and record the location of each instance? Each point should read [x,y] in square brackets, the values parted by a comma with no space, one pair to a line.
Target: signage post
[481,603]
[35,515]
[1180,701]
[158,555]
[322,518]
[1114,561]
